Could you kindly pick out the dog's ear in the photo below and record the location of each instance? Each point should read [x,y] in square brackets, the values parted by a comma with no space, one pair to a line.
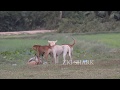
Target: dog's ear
[55,41]
[48,41]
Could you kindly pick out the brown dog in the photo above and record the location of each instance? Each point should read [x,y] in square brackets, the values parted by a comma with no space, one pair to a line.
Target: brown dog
[41,51]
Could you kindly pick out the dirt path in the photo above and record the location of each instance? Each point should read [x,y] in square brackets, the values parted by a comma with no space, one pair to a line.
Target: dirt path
[26,32]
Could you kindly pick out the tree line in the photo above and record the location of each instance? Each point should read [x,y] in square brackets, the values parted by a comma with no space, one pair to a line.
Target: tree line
[63,21]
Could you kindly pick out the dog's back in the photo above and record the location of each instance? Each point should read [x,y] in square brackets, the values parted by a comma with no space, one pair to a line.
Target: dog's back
[41,48]
[57,49]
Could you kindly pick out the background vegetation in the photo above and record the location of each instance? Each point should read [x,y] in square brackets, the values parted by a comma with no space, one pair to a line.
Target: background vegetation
[18,48]
[63,21]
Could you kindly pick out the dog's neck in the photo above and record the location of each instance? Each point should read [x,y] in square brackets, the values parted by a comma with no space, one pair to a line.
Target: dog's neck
[52,46]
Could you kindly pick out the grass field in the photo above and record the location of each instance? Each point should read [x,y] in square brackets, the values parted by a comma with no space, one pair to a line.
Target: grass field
[104,49]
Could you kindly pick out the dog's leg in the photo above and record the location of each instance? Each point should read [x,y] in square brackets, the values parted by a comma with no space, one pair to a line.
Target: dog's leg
[70,55]
[46,55]
[64,57]
[43,56]
[51,56]
[57,59]
[64,62]
[54,55]
[70,59]
[38,56]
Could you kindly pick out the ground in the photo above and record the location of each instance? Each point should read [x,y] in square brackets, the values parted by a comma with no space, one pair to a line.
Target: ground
[101,69]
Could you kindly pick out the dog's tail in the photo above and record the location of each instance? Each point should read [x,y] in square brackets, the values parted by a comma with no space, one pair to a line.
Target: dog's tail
[73,43]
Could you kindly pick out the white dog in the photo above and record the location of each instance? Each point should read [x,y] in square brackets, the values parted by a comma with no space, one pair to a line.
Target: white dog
[57,50]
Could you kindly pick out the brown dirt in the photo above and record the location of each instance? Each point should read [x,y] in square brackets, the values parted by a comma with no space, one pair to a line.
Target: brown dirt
[26,32]
[100,70]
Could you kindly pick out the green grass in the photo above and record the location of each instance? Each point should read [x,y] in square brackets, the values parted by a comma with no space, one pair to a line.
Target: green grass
[103,48]
[88,46]
[13,44]
[17,50]
[111,39]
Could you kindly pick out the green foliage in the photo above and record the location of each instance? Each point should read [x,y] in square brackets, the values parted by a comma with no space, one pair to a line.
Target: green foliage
[87,22]
[71,21]
[28,20]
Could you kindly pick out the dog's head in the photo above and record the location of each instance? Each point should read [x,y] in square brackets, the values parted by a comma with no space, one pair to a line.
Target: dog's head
[35,47]
[52,43]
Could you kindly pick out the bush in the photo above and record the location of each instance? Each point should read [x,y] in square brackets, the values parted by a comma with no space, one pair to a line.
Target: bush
[89,24]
